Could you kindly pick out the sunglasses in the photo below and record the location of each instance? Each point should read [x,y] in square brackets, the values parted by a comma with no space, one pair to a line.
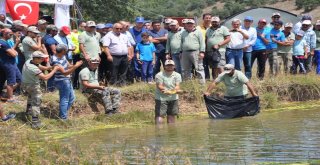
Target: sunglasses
[118,28]
[276,17]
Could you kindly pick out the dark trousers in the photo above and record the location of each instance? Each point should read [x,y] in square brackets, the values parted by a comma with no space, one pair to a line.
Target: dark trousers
[298,61]
[160,58]
[130,73]
[308,63]
[75,82]
[262,57]
[247,64]
[2,78]
[119,70]
[105,69]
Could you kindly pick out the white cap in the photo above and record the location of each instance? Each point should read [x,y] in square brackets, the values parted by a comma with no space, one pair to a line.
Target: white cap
[289,24]
[33,29]
[215,19]
[39,54]
[167,20]
[173,22]
[169,62]
[228,68]
[184,20]
[274,14]
[190,21]
[306,22]
[318,22]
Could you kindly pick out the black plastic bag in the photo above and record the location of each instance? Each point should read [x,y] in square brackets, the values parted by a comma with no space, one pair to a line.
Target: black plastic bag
[222,108]
[216,56]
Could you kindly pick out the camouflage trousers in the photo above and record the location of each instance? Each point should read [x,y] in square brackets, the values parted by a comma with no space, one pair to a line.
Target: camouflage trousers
[34,99]
[109,97]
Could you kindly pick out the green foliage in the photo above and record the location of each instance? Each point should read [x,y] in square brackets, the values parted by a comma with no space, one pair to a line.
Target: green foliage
[308,5]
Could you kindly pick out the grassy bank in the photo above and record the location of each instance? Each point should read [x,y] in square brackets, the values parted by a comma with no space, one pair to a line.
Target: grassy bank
[45,147]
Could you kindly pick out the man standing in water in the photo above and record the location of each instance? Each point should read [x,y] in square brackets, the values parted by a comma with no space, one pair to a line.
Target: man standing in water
[237,84]
[166,97]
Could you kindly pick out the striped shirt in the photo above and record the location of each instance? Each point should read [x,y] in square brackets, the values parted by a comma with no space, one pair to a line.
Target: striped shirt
[58,76]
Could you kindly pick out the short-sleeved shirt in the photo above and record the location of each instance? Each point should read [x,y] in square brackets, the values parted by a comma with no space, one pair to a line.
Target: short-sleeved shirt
[4,56]
[174,41]
[48,40]
[298,47]
[278,35]
[88,75]
[30,73]
[58,76]
[286,49]
[169,82]
[137,34]
[216,36]
[117,44]
[91,44]
[160,47]
[260,45]
[235,84]
[27,44]
[146,51]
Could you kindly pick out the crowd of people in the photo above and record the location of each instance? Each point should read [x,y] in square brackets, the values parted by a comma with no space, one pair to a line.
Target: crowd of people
[93,56]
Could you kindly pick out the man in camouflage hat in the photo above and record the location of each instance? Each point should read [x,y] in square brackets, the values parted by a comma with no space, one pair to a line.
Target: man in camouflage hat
[31,75]
[109,97]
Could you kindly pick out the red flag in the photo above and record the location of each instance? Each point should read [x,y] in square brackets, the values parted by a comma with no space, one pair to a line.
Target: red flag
[27,12]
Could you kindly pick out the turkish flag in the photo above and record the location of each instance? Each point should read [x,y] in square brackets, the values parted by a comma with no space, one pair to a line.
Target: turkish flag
[27,12]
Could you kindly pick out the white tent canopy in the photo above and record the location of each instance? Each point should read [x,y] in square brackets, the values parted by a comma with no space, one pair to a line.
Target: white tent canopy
[59,2]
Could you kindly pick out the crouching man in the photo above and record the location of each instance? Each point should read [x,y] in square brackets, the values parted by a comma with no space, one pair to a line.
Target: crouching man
[31,75]
[166,97]
[109,97]
[237,84]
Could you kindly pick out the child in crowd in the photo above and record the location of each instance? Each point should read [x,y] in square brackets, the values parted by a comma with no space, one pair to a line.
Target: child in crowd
[146,57]
[300,53]
[62,79]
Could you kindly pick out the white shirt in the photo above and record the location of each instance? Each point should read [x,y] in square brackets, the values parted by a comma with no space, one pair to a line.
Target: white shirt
[117,44]
[237,41]
[252,33]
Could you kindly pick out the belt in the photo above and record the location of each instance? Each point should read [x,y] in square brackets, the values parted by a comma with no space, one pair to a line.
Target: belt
[233,49]
[119,55]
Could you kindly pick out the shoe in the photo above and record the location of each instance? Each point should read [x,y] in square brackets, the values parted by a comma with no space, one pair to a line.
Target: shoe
[109,112]
[35,123]
[9,116]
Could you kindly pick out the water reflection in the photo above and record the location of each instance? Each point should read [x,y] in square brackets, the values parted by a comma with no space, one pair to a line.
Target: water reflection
[284,137]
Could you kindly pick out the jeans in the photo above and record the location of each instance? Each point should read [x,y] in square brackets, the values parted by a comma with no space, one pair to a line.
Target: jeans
[247,64]
[160,58]
[317,60]
[234,57]
[67,97]
[147,71]
[262,57]
[50,84]
[176,59]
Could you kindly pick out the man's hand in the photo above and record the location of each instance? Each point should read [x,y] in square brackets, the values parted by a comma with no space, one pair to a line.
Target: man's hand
[206,93]
[109,58]
[312,53]
[86,57]
[154,62]
[78,64]
[201,55]
[215,47]
[168,57]
[101,87]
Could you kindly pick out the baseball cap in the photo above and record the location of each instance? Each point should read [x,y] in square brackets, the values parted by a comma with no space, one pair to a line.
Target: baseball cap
[52,27]
[65,30]
[4,25]
[139,20]
[300,33]
[91,24]
[94,61]
[215,19]
[289,24]
[190,21]
[306,17]
[228,68]
[318,22]
[42,21]
[248,18]
[33,29]
[174,22]
[19,23]
[306,22]
[39,54]
[263,20]
[169,62]
[108,25]
[276,14]
[184,21]
[100,26]
[167,20]
[278,22]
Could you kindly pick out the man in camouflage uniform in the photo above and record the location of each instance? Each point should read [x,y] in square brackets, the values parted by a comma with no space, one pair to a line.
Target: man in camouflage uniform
[31,75]
[109,97]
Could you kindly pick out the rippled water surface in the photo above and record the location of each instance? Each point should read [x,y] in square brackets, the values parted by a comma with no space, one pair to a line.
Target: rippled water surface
[285,137]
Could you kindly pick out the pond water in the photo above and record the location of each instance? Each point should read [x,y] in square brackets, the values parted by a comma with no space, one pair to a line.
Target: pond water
[283,137]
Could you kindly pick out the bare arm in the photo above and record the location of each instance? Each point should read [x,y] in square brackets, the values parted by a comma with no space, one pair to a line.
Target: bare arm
[251,89]
[12,52]
[154,40]
[72,68]
[245,36]
[210,88]
[86,84]
[53,48]
[48,76]
[108,54]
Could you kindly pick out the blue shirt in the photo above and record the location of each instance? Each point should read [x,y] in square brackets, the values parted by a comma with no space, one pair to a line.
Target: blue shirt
[58,76]
[278,35]
[145,50]
[4,56]
[48,41]
[137,34]
[161,47]
[260,45]
[298,47]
